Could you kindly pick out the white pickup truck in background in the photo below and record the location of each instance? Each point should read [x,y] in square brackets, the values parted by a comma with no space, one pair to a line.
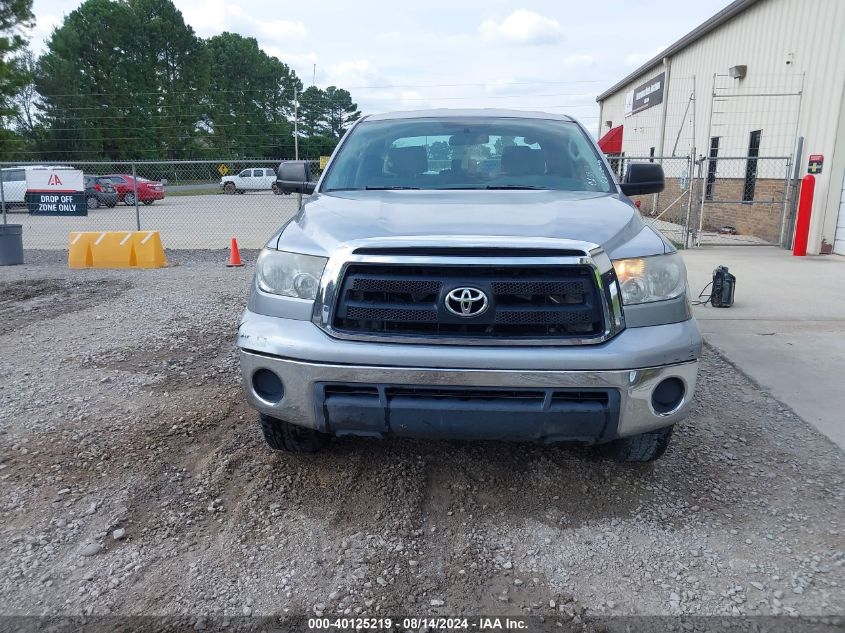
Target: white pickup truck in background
[252,179]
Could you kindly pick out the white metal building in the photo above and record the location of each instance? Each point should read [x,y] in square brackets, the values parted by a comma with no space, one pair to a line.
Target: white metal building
[748,82]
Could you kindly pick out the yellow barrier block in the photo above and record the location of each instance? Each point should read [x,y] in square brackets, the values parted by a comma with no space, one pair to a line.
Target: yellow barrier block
[79,250]
[149,252]
[115,249]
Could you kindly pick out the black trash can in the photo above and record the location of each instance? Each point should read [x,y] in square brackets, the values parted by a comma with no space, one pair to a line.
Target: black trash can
[11,244]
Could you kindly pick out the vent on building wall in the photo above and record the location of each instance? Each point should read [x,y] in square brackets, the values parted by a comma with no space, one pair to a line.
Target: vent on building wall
[737,72]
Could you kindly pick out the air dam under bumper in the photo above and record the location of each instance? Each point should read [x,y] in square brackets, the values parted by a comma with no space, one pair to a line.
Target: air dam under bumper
[390,397]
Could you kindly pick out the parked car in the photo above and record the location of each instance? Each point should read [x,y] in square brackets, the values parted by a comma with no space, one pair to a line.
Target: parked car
[99,192]
[14,181]
[532,303]
[148,190]
[252,179]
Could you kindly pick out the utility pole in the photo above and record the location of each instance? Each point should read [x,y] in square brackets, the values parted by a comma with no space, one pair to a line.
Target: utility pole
[296,124]
[314,76]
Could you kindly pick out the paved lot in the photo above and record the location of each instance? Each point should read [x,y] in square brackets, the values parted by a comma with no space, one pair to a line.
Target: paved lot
[204,221]
[120,409]
[786,329]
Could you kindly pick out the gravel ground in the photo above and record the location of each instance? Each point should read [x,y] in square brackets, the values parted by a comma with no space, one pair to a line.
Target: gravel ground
[133,479]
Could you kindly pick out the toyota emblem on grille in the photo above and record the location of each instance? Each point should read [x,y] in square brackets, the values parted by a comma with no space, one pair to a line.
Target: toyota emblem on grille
[466,302]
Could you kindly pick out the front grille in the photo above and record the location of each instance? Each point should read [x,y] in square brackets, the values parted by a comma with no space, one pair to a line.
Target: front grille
[524,301]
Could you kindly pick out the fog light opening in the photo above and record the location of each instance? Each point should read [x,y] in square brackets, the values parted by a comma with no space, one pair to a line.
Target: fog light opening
[268,386]
[668,396]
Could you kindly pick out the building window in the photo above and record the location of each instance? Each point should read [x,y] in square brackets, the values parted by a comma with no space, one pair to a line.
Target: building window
[711,168]
[617,163]
[751,166]
[651,155]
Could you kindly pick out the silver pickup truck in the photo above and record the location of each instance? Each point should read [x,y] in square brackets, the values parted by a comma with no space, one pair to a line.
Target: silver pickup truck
[472,274]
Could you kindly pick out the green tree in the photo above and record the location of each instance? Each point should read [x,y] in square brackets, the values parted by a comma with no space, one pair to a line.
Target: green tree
[312,111]
[340,111]
[14,15]
[113,89]
[249,105]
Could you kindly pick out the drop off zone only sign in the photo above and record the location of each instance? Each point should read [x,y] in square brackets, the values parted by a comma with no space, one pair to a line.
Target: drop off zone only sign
[55,192]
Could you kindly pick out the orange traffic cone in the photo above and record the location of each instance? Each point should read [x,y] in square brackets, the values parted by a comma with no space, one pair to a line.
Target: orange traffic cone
[234,255]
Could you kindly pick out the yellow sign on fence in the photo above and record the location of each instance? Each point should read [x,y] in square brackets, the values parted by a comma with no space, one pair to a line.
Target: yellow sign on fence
[222,169]
[324,160]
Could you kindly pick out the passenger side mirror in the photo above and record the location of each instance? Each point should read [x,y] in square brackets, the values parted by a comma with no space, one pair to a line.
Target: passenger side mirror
[642,178]
[295,177]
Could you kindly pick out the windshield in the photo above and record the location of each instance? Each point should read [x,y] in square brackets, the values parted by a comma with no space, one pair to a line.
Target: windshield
[468,153]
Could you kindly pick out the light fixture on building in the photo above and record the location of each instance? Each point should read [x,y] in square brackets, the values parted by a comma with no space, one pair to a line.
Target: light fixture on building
[738,72]
[609,123]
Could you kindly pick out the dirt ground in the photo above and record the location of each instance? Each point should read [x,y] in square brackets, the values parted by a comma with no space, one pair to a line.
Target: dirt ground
[134,480]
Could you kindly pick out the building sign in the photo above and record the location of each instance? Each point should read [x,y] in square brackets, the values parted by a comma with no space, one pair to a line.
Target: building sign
[645,95]
[815,164]
[55,192]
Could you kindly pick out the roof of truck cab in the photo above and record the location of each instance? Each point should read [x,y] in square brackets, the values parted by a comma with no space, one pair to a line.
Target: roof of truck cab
[439,113]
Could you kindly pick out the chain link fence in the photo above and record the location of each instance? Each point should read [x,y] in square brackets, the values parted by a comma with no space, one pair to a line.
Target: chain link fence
[194,204]
[719,201]
[203,204]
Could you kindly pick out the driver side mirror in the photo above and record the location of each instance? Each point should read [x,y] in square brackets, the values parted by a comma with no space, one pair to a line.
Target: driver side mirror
[295,177]
[642,178]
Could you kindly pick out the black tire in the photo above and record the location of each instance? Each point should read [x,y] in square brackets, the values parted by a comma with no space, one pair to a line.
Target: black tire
[645,447]
[276,189]
[129,199]
[229,188]
[93,202]
[284,436]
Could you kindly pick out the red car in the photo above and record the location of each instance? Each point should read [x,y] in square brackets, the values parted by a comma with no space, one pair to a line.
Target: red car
[148,190]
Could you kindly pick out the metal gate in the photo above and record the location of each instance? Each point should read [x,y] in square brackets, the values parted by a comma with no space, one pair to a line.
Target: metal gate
[740,201]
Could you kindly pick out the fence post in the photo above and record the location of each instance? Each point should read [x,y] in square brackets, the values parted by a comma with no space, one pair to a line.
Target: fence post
[2,198]
[135,194]
[691,186]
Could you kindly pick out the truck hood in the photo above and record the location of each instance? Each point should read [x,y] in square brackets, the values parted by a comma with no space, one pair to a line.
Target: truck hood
[328,221]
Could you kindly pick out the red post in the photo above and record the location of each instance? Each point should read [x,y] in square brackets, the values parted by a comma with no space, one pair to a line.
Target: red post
[802,222]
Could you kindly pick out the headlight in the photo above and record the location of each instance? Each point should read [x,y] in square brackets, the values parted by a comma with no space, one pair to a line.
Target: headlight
[645,279]
[289,274]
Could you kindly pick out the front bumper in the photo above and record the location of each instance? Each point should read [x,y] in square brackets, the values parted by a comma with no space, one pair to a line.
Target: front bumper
[627,368]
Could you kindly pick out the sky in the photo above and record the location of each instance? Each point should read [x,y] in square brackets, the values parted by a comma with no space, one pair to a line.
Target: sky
[553,56]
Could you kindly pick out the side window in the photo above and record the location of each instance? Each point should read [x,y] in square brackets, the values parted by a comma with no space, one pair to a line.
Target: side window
[14,175]
[246,173]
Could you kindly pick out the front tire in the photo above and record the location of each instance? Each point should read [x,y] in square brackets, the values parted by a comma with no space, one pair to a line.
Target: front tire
[276,189]
[645,447]
[229,188]
[129,199]
[284,436]
[93,202]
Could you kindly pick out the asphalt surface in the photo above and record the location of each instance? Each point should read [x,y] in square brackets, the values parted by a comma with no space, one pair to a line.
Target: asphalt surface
[206,221]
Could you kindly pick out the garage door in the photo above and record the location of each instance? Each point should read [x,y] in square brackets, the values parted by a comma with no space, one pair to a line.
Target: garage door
[839,242]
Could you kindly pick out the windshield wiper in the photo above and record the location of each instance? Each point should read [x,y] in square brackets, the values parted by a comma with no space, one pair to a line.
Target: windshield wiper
[388,188]
[515,187]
